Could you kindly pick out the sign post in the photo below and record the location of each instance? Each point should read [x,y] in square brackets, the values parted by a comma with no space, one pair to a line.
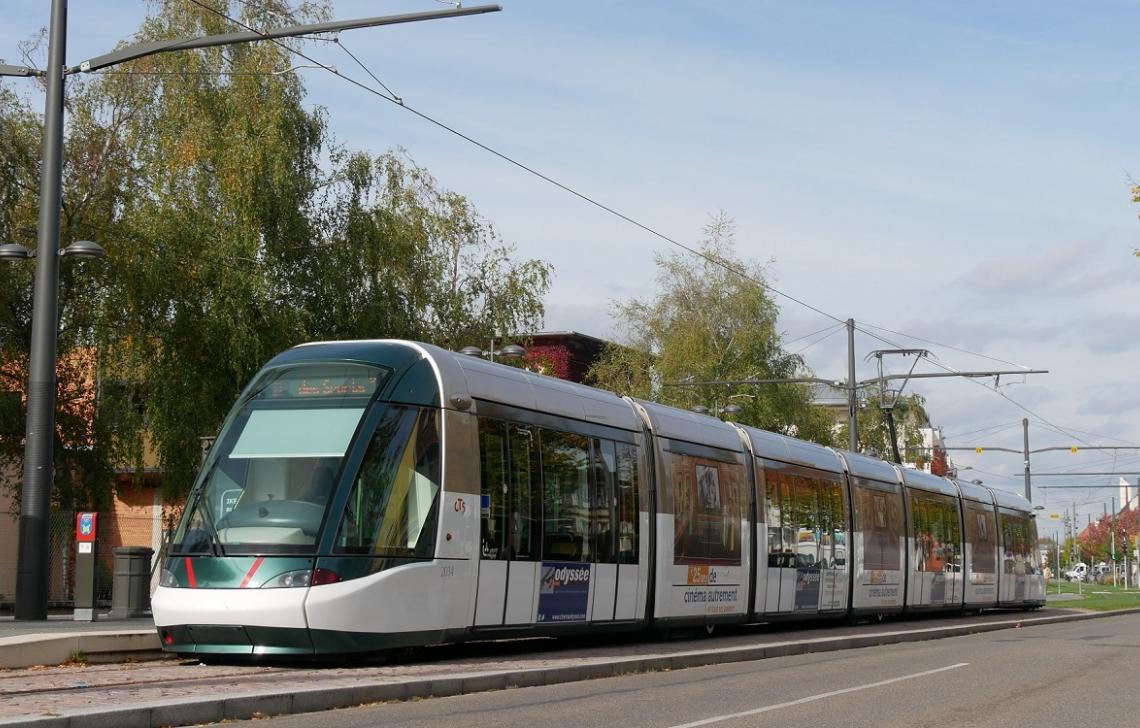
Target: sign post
[85,531]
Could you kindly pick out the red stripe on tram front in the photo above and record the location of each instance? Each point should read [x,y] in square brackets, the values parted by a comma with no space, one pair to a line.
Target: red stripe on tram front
[190,573]
[251,572]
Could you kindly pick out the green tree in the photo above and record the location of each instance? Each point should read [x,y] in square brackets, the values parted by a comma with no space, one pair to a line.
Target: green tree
[708,323]
[79,466]
[235,228]
[874,433]
[409,259]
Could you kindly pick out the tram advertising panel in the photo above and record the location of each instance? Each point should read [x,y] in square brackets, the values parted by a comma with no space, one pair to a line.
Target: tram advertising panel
[880,534]
[708,500]
[981,545]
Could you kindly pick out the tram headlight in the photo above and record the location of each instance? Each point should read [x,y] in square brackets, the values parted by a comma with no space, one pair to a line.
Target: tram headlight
[302,577]
[167,578]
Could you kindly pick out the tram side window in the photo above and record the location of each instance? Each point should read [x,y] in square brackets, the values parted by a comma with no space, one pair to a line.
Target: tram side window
[837,551]
[1017,544]
[603,467]
[778,515]
[493,488]
[807,522]
[393,506]
[981,534]
[879,518]
[1032,566]
[937,533]
[627,504]
[566,496]
[524,517]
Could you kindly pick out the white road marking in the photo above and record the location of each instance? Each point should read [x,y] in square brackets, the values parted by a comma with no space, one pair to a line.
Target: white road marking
[820,696]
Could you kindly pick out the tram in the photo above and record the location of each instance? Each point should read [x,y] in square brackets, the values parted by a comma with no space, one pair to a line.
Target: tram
[368,495]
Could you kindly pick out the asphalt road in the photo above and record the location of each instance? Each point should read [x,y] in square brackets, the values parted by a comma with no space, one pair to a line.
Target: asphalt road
[1082,673]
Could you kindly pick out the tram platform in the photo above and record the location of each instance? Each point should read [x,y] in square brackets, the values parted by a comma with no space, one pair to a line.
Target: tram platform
[186,692]
[60,639]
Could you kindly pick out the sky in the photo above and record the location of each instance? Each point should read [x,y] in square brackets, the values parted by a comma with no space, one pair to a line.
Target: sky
[953,176]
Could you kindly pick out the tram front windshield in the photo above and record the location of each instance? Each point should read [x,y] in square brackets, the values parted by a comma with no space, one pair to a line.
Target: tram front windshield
[277,461]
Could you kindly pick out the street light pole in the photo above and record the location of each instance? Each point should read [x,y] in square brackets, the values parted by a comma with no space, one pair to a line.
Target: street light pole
[39,474]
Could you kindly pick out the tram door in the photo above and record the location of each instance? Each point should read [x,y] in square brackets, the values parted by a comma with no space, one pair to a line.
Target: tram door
[509,524]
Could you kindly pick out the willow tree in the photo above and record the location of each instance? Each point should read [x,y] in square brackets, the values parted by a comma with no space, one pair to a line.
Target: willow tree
[236,227]
[404,257]
[709,323]
[212,223]
[79,465]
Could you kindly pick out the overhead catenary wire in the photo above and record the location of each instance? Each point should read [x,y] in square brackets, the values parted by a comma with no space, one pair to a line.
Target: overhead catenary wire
[1003,395]
[395,97]
[713,260]
[814,333]
[943,346]
[834,330]
[991,430]
[531,170]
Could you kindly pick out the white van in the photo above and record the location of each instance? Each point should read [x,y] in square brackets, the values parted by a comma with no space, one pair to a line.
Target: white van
[1078,572]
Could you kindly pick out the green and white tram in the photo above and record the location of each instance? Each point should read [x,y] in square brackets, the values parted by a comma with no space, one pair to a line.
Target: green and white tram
[367,495]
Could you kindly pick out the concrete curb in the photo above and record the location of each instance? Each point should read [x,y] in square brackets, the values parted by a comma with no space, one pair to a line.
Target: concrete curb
[244,706]
[54,649]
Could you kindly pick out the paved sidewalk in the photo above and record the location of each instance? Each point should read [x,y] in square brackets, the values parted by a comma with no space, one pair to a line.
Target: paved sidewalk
[174,692]
[64,623]
[60,638]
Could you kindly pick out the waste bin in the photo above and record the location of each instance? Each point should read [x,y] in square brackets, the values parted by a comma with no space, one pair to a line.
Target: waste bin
[130,587]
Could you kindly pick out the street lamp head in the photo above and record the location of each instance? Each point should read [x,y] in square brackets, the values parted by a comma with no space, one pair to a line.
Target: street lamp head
[732,409]
[700,409]
[471,351]
[84,249]
[511,351]
[14,251]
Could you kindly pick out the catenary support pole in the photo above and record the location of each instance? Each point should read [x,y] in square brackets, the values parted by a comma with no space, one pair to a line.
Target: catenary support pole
[1025,430]
[852,398]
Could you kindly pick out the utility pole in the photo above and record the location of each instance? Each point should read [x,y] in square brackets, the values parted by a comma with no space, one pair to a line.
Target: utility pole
[39,475]
[1025,430]
[852,395]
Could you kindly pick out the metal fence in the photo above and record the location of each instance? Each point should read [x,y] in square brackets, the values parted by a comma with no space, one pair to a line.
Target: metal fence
[114,529]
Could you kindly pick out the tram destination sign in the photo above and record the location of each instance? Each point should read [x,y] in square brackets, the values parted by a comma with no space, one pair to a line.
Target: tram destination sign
[325,383]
